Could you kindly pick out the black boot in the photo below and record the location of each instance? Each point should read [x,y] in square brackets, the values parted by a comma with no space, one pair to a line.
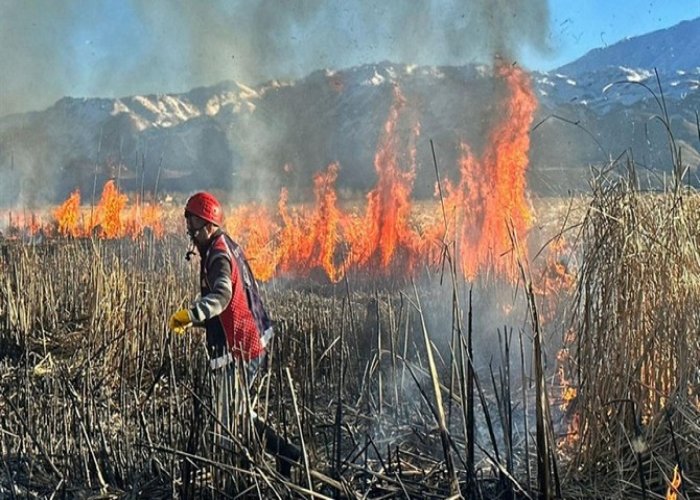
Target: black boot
[285,452]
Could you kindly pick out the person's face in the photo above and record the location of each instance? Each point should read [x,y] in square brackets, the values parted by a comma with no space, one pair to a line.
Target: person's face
[197,229]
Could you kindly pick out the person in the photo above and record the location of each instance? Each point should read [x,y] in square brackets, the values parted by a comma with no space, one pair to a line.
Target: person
[238,330]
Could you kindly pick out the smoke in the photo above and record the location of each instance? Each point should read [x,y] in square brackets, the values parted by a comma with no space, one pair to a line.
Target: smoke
[115,48]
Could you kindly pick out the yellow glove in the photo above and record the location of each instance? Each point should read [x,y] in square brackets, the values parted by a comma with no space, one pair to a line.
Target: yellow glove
[179,321]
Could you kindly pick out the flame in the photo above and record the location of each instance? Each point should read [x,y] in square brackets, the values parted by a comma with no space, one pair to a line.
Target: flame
[68,215]
[318,246]
[254,225]
[113,217]
[323,237]
[109,211]
[25,223]
[22,225]
[384,233]
[490,196]
[141,217]
[491,193]
[309,238]
[564,366]
[557,273]
[573,433]
[556,277]
[390,236]
[674,486]
[569,393]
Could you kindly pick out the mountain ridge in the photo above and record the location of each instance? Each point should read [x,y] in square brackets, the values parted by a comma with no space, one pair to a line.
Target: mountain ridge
[660,49]
[251,140]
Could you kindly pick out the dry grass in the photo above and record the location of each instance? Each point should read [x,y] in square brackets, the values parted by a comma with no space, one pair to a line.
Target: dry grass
[637,321]
[97,398]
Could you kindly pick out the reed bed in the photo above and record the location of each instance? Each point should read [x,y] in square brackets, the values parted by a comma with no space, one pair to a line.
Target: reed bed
[635,335]
[424,389]
[390,392]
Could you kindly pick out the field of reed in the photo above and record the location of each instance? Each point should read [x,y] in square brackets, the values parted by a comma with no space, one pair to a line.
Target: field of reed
[432,387]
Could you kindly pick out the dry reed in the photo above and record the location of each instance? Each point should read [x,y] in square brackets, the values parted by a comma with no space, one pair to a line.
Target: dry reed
[395,394]
[99,399]
[637,347]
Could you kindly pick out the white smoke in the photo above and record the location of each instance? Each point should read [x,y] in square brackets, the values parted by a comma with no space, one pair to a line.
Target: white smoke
[110,49]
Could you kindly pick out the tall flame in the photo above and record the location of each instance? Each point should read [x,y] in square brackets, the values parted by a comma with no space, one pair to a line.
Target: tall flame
[386,238]
[68,215]
[109,210]
[491,194]
[383,232]
[310,238]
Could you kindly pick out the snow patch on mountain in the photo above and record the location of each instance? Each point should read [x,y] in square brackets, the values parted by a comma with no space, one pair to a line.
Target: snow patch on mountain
[243,134]
[636,75]
[614,85]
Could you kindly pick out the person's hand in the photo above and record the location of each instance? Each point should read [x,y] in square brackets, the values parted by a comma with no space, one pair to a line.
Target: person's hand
[179,321]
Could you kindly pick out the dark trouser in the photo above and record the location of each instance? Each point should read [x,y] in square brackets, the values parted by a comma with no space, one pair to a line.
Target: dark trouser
[286,453]
[233,400]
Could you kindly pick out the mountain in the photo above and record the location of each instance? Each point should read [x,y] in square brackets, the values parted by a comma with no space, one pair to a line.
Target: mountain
[619,98]
[669,51]
[250,141]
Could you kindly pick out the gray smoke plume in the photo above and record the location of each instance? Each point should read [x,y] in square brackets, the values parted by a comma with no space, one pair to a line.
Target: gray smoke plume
[116,48]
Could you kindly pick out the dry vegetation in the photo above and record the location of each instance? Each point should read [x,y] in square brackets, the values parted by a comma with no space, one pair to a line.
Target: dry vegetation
[373,381]
[636,341]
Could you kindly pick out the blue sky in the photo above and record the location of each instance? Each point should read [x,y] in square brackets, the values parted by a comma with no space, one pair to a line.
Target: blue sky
[579,26]
[112,48]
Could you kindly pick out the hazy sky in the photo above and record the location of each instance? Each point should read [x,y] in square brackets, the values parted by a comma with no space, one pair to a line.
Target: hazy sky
[113,48]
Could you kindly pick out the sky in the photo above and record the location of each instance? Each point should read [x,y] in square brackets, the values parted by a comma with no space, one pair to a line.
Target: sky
[113,48]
